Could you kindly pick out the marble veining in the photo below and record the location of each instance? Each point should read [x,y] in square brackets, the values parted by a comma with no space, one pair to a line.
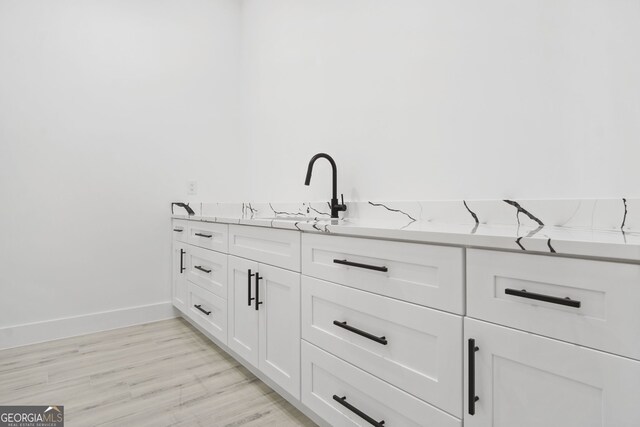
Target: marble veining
[522,210]
[473,214]
[392,210]
[608,228]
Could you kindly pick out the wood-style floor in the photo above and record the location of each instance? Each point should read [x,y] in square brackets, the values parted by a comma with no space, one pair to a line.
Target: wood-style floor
[163,373]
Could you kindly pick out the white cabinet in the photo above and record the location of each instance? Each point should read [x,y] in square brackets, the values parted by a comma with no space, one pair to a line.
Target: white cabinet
[527,380]
[264,319]
[208,269]
[279,326]
[414,348]
[344,395]
[587,302]
[421,274]
[266,245]
[180,230]
[199,282]
[383,338]
[208,235]
[179,280]
[207,310]
[243,318]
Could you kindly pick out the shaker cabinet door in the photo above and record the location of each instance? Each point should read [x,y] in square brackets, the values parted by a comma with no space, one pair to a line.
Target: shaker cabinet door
[279,295]
[179,276]
[526,380]
[243,318]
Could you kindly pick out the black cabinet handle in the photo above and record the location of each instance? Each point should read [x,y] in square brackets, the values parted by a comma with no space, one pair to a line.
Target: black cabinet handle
[249,276]
[541,297]
[208,236]
[199,307]
[182,252]
[357,264]
[380,340]
[178,230]
[199,267]
[343,401]
[258,302]
[472,376]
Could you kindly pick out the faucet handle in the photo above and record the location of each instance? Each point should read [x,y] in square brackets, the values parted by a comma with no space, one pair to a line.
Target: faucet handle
[342,207]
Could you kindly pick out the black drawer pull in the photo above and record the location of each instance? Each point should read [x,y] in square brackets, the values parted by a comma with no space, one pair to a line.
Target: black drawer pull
[541,297]
[199,267]
[249,276]
[208,236]
[357,264]
[380,340]
[178,230]
[199,307]
[257,298]
[182,252]
[343,401]
[472,376]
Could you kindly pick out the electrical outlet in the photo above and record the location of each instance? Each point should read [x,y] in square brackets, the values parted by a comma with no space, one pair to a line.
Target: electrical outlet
[192,188]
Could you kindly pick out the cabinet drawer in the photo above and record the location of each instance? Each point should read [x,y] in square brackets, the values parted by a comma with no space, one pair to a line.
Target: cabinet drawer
[522,379]
[601,310]
[207,269]
[325,376]
[208,235]
[421,352]
[267,245]
[208,311]
[180,230]
[422,274]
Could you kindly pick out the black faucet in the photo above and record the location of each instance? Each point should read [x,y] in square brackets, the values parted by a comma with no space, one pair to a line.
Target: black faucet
[335,206]
[183,205]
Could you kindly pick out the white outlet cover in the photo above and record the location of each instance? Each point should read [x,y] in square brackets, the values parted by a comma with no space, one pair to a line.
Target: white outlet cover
[192,188]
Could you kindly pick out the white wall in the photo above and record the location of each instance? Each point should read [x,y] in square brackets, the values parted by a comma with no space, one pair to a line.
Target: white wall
[107,108]
[421,99]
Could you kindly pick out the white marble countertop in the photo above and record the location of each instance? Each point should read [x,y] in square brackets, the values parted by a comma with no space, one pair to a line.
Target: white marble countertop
[581,241]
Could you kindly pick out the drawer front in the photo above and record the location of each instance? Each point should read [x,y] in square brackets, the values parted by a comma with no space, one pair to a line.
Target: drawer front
[267,245]
[326,378]
[422,274]
[180,230]
[207,269]
[208,235]
[414,348]
[208,311]
[607,317]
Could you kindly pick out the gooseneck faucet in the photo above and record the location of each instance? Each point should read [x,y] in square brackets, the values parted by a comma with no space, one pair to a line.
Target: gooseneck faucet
[335,206]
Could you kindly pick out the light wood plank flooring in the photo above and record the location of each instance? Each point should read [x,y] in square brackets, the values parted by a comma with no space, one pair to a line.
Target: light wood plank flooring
[162,373]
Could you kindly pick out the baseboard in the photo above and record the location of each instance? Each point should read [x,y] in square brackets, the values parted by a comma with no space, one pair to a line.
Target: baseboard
[32,333]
